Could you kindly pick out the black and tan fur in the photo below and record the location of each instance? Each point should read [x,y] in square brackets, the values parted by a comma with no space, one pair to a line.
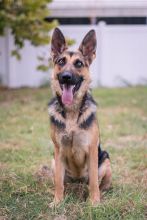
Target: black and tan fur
[74,127]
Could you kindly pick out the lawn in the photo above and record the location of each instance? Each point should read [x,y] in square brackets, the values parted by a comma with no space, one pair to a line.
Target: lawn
[25,147]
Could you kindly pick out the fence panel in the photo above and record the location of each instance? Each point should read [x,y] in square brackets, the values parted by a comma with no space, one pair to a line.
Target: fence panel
[121,57]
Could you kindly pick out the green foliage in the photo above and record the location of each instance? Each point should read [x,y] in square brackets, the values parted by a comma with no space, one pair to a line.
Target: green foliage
[26,19]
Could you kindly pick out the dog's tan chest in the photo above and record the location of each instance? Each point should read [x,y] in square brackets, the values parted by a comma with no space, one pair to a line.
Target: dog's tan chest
[74,146]
[74,137]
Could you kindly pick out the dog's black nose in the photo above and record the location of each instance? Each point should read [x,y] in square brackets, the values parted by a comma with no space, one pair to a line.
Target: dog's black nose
[65,77]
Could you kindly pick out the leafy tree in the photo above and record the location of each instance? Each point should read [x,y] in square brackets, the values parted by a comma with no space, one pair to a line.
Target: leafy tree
[26,19]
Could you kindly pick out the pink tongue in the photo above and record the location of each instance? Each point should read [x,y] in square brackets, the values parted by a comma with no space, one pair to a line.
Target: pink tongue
[67,95]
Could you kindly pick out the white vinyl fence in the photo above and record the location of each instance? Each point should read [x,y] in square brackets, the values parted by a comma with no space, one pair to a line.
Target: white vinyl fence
[121,57]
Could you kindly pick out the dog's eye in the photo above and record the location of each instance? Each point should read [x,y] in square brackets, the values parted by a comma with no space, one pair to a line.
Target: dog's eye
[61,62]
[78,64]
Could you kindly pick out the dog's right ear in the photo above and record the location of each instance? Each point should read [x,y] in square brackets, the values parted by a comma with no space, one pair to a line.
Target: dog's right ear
[58,43]
[88,46]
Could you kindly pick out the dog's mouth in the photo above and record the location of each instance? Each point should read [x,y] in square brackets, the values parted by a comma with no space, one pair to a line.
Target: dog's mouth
[67,94]
[69,87]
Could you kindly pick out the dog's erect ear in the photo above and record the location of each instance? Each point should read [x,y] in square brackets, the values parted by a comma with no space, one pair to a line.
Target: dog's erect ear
[58,43]
[88,46]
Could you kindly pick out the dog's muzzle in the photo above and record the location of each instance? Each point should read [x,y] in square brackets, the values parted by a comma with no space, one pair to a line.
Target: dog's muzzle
[67,78]
[69,83]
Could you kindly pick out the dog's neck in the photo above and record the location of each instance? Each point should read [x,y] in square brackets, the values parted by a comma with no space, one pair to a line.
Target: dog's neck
[84,114]
[75,107]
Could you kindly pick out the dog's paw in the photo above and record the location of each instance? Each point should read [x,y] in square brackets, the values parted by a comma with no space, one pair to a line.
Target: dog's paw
[55,203]
[58,199]
[52,204]
[95,200]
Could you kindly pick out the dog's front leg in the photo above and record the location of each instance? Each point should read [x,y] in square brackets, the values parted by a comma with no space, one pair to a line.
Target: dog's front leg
[93,174]
[58,177]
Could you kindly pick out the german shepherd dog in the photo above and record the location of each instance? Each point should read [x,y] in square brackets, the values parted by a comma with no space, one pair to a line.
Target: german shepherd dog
[74,127]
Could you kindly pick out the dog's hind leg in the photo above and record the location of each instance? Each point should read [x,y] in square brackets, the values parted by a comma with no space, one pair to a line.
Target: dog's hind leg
[105,175]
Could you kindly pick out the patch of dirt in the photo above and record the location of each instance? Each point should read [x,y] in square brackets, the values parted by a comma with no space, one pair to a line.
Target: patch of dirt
[3,218]
[61,217]
[12,144]
[79,190]
[9,95]
[129,176]
[3,166]
[123,141]
[132,138]
[43,174]
[114,110]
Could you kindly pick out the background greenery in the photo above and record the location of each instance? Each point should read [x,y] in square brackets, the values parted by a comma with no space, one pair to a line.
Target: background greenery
[26,20]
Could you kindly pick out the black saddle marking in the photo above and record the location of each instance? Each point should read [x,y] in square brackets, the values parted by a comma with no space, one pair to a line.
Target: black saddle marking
[102,155]
[86,102]
[88,122]
[57,103]
[57,123]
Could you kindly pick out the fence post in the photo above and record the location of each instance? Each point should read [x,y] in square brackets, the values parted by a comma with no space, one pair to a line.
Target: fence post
[100,38]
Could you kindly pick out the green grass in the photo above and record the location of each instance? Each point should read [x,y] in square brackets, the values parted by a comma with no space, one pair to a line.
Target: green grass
[25,147]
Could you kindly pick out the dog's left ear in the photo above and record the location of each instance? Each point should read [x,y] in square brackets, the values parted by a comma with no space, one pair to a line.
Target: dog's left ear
[58,43]
[88,46]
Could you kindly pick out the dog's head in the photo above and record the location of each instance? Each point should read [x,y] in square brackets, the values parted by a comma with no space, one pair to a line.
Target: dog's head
[71,78]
